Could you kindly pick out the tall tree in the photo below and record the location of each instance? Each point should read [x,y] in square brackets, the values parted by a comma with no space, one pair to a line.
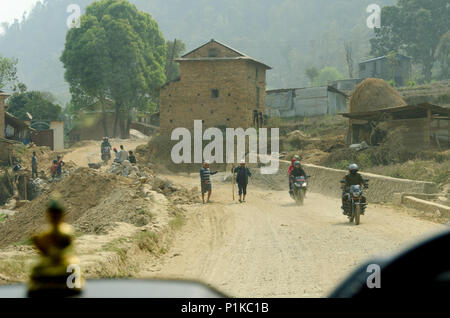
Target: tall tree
[8,71]
[443,55]
[311,73]
[415,28]
[118,53]
[174,50]
[349,58]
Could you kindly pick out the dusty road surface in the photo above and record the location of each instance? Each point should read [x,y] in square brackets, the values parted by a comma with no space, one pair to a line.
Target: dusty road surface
[89,152]
[269,247]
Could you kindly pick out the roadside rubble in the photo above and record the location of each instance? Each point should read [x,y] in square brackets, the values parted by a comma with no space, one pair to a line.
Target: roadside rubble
[125,169]
[358,147]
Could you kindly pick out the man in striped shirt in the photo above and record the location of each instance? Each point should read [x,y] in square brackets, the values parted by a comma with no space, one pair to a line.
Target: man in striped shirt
[205,180]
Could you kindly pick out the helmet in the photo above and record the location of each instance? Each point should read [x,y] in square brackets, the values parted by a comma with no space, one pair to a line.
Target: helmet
[297,164]
[353,167]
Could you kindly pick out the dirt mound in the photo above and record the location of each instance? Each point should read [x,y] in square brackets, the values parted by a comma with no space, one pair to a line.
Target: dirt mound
[372,94]
[96,200]
[80,191]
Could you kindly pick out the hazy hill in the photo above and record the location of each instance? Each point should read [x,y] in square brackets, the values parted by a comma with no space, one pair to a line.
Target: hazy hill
[289,35]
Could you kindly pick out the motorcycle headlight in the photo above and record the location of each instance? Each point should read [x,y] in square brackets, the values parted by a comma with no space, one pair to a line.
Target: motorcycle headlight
[304,184]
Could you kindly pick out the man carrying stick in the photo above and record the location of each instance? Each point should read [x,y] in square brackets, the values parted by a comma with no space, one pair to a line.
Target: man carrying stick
[242,174]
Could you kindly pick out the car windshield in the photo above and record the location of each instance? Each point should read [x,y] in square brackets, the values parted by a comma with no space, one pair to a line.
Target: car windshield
[162,139]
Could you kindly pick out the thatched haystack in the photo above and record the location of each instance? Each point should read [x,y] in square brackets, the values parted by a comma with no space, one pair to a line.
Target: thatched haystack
[373,94]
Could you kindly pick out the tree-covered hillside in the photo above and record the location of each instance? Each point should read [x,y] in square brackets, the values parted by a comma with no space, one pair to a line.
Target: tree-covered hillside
[289,35]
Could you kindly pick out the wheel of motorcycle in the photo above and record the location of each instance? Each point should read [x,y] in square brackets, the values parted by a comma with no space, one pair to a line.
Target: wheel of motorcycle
[357,214]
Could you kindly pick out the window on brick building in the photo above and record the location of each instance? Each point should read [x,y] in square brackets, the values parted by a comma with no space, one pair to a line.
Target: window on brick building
[256,73]
[215,93]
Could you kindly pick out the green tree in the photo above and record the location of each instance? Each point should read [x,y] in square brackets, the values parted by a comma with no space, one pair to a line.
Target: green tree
[327,74]
[117,53]
[174,50]
[443,55]
[39,104]
[8,71]
[414,27]
[311,73]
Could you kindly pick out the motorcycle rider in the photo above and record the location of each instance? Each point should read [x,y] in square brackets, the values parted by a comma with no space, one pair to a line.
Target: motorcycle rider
[298,171]
[105,143]
[352,178]
[291,167]
[105,147]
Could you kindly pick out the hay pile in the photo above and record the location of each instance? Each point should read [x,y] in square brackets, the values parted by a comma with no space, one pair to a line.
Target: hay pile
[373,94]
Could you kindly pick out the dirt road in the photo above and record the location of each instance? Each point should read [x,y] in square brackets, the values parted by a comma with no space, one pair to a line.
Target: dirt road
[269,247]
[89,152]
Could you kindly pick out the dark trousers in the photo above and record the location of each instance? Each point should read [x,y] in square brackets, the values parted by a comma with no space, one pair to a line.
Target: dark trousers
[34,172]
[242,188]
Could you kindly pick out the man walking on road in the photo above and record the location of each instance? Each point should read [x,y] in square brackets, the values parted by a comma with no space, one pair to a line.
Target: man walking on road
[242,174]
[34,171]
[205,180]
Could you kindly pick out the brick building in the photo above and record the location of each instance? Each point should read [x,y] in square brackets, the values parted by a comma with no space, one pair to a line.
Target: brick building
[218,85]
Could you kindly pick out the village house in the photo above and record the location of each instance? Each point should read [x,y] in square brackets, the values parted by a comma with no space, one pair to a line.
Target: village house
[305,102]
[397,69]
[218,85]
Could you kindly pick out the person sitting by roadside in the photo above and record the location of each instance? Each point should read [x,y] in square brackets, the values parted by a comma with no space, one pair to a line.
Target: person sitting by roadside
[116,153]
[123,154]
[131,157]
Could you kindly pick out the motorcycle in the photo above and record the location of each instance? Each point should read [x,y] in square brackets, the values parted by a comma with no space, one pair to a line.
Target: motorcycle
[299,187]
[356,203]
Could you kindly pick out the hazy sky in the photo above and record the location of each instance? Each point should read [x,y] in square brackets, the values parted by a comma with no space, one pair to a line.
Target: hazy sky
[14,9]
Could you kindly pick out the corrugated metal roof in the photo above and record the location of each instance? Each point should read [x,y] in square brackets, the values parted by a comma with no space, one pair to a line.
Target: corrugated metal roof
[329,88]
[384,57]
